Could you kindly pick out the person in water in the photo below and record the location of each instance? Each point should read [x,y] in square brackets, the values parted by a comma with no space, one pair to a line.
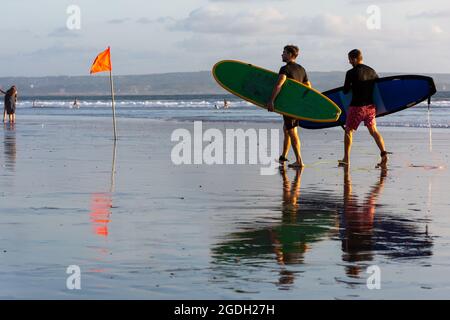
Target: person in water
[361,81]
[10,104]
[75,104]
[291,70]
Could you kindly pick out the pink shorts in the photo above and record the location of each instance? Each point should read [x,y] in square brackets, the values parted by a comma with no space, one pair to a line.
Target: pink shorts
[356,115]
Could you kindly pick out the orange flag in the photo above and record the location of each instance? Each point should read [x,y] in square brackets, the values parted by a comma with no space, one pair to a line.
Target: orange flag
[102,62]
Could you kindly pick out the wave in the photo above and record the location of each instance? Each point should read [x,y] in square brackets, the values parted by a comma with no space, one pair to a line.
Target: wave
[173,104]
[131,104]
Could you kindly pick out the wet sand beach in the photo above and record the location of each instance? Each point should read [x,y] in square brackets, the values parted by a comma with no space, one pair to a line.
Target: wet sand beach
[139,226]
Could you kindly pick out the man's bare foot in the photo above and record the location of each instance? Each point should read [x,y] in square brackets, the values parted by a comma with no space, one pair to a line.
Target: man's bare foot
[282,159]
[383,163]
[384,159]
[296,165]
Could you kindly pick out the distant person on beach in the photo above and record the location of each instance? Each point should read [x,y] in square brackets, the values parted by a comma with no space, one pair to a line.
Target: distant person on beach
[225,104]
[10,104]
[4,109]
[361,81]
[291,70]
[76,104]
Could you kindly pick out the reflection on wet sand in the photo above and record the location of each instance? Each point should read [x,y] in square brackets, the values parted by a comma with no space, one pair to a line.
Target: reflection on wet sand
[10,150]
[101,203]
[100,213]
[366,231]
[357,223]
[286,242]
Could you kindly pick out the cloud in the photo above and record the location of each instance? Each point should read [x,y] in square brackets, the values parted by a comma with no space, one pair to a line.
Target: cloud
[430,15]
[240,1]
[436,29]
[379,1]
[330,25]
[118,21]
[145,20]
[267,22]
[161,20]
[59,50]
[64,33]
[212,19]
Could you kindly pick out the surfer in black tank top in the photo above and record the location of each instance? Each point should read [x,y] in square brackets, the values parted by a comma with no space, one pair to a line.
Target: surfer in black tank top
[361,81]
[294,71]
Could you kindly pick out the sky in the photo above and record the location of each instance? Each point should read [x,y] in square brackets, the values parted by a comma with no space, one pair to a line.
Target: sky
[43,38]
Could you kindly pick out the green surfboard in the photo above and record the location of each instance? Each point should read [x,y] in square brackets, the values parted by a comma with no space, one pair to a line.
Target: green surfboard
[255,85]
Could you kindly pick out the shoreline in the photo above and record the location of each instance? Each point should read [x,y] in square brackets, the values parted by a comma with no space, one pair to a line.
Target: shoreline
[270,123]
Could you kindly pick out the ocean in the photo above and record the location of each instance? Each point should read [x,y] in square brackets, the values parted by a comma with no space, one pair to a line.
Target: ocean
[204,107]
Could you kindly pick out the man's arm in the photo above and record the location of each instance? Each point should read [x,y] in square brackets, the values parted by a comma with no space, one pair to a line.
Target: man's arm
[348,83]
[2,91]
[276,90]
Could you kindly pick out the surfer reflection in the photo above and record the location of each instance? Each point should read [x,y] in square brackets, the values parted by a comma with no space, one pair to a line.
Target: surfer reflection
[285,256]
[357,238]
[9,143]
[285,241]
[365,232]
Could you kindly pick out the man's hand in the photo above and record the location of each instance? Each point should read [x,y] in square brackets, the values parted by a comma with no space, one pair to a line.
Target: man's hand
[270,106]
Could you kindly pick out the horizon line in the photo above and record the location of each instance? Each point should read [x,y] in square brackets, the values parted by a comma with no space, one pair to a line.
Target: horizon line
[204,71]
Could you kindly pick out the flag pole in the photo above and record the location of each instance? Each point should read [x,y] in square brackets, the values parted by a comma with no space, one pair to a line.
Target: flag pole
[113,104]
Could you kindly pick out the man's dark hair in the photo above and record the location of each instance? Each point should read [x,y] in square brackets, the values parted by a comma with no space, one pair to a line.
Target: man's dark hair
[356,54]
[294,50]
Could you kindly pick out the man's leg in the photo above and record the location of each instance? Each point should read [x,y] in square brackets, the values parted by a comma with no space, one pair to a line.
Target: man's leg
[287,143]
[296,146]
[348,139]
[380,143]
